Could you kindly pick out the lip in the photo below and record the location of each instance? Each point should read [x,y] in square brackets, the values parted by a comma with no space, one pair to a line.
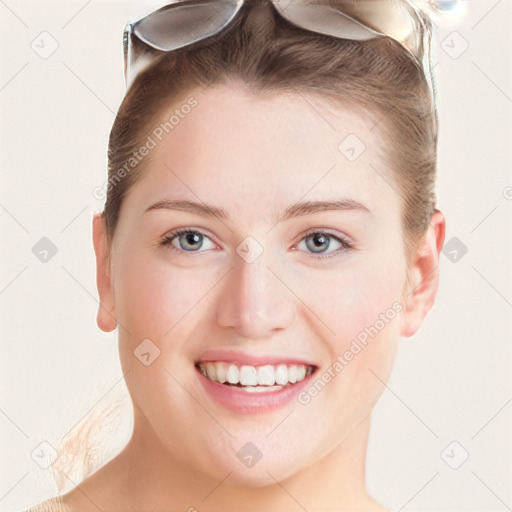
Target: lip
[244,402]
[242,358]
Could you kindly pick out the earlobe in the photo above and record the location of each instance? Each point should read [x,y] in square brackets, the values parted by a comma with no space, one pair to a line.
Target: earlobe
[106,317]
[419,296]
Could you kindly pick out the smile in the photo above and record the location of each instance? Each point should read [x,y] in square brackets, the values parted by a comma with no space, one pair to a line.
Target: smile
[255,378]
[246,389]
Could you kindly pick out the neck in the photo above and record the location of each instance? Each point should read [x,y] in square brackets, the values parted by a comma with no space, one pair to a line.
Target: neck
[156,480]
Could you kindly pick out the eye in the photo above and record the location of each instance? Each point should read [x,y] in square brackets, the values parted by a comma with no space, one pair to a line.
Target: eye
[187,240]
[319,241]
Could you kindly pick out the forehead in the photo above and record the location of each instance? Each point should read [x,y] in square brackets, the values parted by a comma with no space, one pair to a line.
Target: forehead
[254,152]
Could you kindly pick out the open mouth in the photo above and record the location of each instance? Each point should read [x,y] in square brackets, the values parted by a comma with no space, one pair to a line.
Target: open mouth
[267,377]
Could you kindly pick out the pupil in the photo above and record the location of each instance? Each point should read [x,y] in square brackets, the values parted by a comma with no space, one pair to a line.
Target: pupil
[192,238]
[320,240]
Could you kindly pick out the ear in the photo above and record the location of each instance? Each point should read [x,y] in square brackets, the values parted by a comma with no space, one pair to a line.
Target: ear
[106,318]
[421,286]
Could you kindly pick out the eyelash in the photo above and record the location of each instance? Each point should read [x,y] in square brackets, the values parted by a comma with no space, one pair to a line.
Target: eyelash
[347,244]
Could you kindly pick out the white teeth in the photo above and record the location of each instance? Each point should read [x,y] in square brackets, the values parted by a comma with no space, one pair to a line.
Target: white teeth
[292,374]
[248,376]
[221,373]
[259,389]
[281,374]
[233,374]
[255,378]
[210,371]
[266,375]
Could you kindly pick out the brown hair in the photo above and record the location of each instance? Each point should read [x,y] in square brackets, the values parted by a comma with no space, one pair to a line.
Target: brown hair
[269,56]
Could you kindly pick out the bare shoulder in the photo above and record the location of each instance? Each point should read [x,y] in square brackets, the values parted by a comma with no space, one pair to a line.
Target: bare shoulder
[55,504]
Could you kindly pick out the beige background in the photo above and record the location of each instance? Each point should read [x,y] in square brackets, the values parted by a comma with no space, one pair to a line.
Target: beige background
[452,380]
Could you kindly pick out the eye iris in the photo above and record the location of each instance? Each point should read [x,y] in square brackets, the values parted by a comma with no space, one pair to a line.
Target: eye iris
[320,239]
[191,238]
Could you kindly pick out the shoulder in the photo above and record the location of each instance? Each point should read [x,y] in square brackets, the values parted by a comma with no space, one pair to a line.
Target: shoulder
[55,504]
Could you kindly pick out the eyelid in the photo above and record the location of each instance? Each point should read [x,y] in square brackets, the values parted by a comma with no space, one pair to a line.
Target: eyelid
[167,238]
[345,241]
[326,231]
[347,244]
[203,231]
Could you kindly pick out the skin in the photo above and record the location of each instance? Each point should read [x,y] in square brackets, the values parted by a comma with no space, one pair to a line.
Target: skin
[183,450]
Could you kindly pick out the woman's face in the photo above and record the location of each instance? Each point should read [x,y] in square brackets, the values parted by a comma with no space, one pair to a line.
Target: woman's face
[277,279]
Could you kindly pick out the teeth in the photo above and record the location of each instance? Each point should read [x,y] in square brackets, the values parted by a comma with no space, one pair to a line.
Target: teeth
[259,389]
[266,375]
[252,376]
[233,375]
[221,373]
[248,376]
[281,374]
[210,371]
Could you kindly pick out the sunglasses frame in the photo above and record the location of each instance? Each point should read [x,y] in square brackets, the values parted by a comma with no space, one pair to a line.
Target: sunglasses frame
[417,40]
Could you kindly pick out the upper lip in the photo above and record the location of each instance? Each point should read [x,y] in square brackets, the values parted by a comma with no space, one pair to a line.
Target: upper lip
[239,357]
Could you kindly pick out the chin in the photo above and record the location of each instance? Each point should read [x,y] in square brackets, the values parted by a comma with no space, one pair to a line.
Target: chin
[257,476]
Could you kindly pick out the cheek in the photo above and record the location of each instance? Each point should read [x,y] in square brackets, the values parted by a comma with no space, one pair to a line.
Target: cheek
[153,296]
[354,298]
[361,306]
[157,301]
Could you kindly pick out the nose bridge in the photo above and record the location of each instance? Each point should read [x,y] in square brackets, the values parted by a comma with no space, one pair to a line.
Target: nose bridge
[253,300]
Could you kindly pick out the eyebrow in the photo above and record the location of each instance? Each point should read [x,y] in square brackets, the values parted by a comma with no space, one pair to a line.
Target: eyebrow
[295,210]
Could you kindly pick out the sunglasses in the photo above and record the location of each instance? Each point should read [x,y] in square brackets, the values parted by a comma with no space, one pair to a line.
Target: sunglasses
[184,22]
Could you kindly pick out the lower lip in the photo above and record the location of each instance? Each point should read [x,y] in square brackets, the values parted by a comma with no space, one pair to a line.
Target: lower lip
[245,402]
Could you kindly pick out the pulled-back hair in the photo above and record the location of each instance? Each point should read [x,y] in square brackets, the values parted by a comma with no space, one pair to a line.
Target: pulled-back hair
[269,55]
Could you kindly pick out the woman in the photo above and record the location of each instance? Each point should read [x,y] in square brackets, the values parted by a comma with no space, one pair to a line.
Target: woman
[270,232]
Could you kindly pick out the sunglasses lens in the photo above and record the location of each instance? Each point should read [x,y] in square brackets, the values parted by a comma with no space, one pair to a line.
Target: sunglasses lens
[356,19]
[178,25]
[332,20]
[183,22]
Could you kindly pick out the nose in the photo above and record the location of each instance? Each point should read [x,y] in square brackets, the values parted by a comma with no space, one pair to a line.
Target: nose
[254,300]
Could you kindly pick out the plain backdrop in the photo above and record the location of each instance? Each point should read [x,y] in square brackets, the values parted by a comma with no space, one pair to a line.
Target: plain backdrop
[450,394]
